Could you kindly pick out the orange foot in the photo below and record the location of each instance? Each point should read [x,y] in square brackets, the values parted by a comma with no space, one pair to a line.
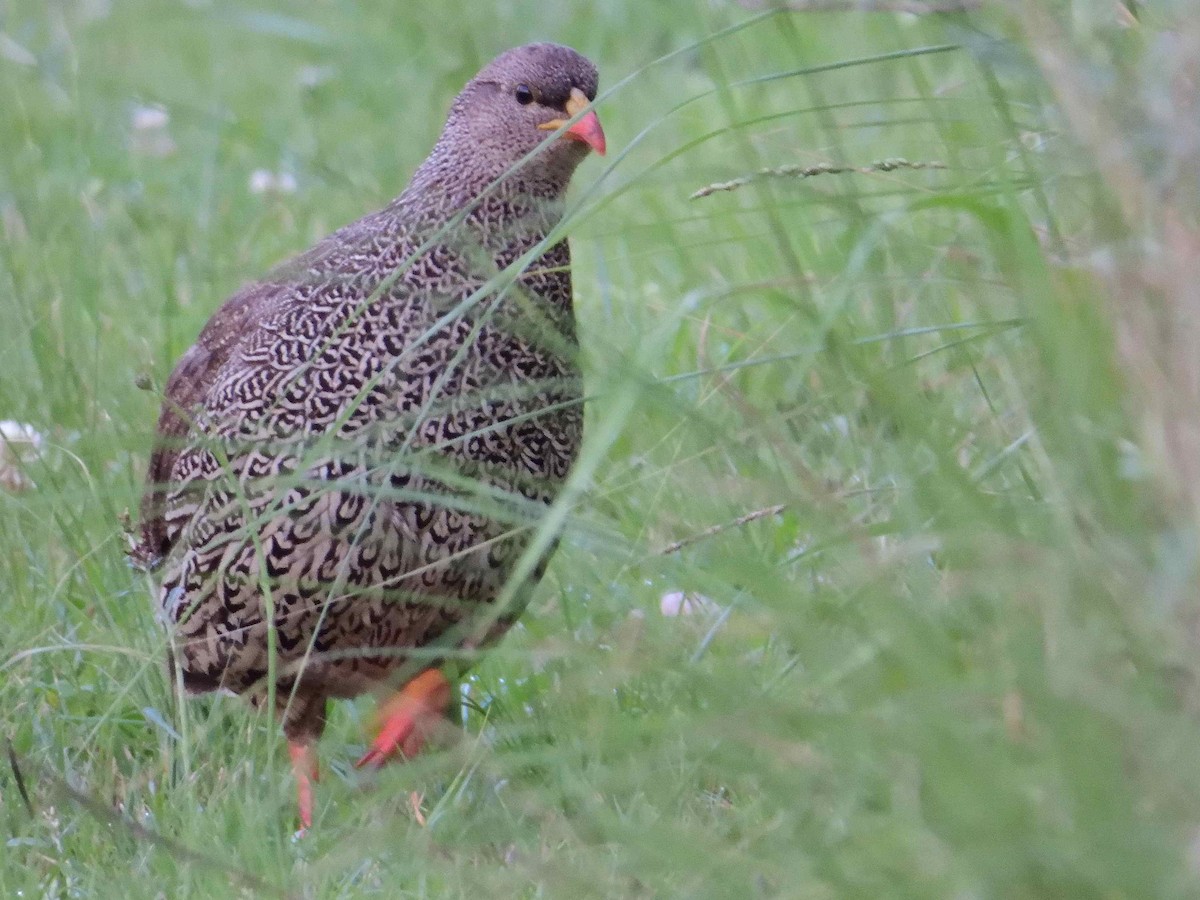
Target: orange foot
[304,768]
[408,717]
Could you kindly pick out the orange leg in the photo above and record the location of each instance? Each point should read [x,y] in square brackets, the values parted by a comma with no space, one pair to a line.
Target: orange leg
[408,717]
[304,767]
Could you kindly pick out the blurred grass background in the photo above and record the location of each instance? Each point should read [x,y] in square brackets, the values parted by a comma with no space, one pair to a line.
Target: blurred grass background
[921,446]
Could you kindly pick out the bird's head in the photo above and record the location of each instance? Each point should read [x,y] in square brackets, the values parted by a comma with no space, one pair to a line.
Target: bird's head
[527,96]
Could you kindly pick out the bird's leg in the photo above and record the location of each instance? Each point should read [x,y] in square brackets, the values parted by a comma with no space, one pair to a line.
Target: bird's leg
[307,773]
[408,717]
[303,722]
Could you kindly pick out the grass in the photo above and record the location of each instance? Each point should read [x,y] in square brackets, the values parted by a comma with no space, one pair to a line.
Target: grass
[945,416]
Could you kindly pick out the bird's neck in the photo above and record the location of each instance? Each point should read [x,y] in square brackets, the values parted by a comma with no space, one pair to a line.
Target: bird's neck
[453,180]
[508,215]
[461,212]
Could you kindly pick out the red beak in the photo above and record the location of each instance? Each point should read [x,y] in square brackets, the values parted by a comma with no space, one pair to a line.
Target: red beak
[587,129]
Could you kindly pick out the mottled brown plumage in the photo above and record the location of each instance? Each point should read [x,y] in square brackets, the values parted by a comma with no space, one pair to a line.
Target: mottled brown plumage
[355,447]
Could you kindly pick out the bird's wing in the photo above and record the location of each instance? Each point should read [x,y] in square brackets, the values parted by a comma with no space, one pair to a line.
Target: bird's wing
[197,371]
[187,387]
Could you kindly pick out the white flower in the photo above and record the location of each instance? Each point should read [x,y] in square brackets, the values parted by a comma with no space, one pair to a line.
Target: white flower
[150,118]
[310,77]
[18,443]
[264,181]
[680,603]
[149,135]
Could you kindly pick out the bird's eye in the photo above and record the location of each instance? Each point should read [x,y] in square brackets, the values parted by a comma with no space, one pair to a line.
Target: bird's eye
[524,94]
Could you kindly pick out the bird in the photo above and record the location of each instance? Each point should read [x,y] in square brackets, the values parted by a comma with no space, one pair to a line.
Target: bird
[353,455]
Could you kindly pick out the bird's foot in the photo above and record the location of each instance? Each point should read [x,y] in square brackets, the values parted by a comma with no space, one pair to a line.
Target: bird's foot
[304,768]
[408,717]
